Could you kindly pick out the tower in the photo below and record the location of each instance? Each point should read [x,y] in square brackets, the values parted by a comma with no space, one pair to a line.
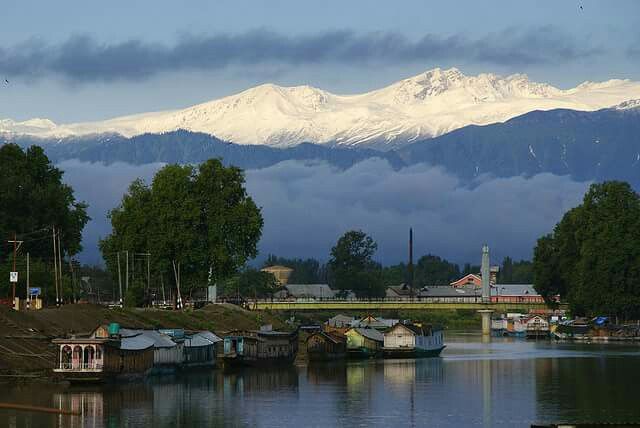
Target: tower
[485,271]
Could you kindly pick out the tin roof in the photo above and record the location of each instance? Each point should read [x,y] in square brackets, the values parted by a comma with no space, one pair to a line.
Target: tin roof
[136,343]
[159,340]
[370,333]
[513,290]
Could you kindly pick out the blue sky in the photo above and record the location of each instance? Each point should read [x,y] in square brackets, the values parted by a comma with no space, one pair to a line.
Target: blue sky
[79,60]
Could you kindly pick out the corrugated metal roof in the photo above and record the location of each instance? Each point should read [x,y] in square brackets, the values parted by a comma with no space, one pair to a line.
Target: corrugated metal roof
[371,333]
[310,290]
[449,291]
[513,290]
[209,336]
[136,343]
[159,340]
[196,341]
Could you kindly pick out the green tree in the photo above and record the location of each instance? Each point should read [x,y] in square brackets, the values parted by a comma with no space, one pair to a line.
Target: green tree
[352,267]
[511,272]
[250,283]
[592,258]
[198,224]
[33,199]
[433,270]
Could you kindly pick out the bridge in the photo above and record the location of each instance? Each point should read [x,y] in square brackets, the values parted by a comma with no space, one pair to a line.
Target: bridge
[377,305]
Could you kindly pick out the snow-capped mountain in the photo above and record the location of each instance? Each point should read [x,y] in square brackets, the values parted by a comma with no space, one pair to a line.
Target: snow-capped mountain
[427,105]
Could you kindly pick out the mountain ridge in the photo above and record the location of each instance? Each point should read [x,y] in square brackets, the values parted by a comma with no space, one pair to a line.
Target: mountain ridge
[427,105]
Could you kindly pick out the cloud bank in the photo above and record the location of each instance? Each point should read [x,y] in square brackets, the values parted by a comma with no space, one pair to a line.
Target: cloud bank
[83,59]
[307,206]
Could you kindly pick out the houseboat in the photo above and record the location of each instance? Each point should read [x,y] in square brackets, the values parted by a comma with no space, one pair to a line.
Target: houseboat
[511,325]
[536,327]
[326,346]
[168,355]
[364,342]
[261,347]
[104,355]
[200,349]
[406,340]
[578,329]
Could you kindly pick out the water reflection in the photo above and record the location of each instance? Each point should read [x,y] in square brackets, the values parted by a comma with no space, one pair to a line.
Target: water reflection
[502,383]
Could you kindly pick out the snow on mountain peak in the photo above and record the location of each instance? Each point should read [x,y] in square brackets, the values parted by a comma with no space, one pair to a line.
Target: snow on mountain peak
[628,105]
[426,105]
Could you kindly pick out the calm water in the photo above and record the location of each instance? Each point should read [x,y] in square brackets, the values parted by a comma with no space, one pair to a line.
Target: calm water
[505,382]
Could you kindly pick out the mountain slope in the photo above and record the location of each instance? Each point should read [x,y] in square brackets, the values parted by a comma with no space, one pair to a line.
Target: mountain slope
[189,147]
[598,145]
[429,104]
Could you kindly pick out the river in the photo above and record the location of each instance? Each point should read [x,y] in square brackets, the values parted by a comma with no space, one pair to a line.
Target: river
[504,382]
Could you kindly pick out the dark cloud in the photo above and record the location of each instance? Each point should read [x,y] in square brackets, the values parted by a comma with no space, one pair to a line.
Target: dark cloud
[82,58]
[308,206]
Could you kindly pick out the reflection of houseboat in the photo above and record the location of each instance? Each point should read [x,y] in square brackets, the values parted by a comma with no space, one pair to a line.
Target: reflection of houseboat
[264,346]
[413,340]
[364,342]
[105,354]
[326,346]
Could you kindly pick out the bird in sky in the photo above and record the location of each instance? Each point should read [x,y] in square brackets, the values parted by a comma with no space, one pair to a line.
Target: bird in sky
[6,81]
[581,7]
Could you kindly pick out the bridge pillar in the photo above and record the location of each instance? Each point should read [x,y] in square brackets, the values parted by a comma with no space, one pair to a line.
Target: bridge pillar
[486,321]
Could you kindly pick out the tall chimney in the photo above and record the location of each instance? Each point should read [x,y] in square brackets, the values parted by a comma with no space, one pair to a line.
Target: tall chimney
[410,267]
[486,275]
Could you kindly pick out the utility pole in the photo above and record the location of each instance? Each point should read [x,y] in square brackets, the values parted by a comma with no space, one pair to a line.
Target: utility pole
[411,262]
[55,265]
[126,278]
[16,245]
[148,286]
[60,266]
[28,291]
[73,284]
[119,278]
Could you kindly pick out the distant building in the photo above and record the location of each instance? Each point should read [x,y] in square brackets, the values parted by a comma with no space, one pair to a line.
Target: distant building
[308,291]
[515,293]
[400,292]
[326,346]
[281,273]
[470,279]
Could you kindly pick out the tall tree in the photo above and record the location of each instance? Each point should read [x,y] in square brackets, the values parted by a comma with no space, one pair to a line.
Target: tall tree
[198,224]
[33,199]
[592,258]
[352,266]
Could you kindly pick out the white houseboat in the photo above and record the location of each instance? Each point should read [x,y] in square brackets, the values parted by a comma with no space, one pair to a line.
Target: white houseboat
[413,340]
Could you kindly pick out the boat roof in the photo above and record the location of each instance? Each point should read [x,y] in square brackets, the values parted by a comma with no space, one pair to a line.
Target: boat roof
[370,333]
[159,340]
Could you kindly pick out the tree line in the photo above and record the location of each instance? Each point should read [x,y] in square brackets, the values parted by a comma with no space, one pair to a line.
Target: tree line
[193,226]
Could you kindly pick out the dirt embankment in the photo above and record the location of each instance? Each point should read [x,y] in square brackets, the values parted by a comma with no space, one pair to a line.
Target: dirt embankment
[25,337]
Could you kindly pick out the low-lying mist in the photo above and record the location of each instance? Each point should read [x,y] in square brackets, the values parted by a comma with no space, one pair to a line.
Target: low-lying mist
[307,206]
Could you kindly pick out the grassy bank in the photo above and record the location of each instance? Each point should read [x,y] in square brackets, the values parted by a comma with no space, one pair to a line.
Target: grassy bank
[25,337]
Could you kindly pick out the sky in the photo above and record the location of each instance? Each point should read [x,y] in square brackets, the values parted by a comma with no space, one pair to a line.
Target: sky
[77,60]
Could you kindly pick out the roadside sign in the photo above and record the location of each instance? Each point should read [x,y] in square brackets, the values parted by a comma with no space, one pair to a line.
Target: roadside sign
[13,276]
[35,291]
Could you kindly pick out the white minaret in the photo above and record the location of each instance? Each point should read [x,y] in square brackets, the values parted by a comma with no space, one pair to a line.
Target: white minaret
[485,271]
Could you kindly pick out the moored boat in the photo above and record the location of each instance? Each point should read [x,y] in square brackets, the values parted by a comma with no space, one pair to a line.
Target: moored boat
[260,347]
[408,340]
